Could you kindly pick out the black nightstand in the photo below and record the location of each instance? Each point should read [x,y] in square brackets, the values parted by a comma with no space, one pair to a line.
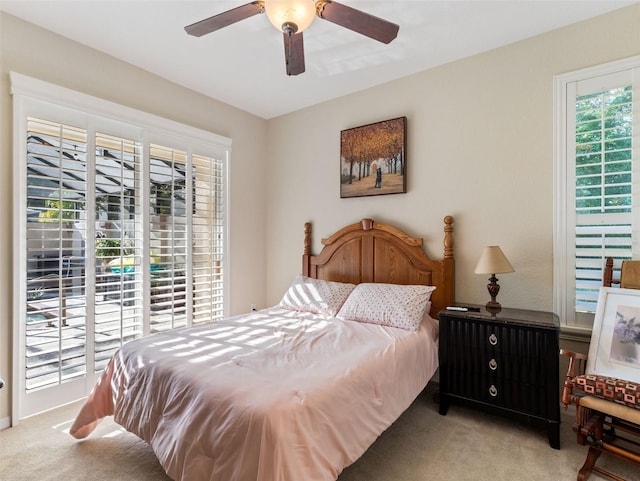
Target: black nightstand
[505,362]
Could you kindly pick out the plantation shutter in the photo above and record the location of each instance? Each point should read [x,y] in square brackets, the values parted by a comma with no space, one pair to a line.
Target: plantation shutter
[186,205]
[55,251]
[208,235]
[60,245]
[604,182]
[168,232]
[118,244]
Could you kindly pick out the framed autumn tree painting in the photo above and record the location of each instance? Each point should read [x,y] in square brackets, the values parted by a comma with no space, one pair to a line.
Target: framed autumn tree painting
[372,159]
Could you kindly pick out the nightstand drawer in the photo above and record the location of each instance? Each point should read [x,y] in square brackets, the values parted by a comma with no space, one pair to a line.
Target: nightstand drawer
[499,349]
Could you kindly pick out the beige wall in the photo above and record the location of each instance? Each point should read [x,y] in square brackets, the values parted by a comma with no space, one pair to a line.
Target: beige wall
[32,51]
[480,147]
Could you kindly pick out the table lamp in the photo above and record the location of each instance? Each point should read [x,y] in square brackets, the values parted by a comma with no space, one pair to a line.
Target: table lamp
[493,261]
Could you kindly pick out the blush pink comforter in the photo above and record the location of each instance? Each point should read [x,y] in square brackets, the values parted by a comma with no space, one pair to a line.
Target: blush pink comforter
[276,395]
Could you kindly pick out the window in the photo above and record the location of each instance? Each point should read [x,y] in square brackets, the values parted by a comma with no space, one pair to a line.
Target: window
[120,232]
[597,188]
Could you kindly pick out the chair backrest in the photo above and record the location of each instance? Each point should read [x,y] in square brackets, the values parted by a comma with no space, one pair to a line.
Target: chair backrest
[629,274]
[607,275]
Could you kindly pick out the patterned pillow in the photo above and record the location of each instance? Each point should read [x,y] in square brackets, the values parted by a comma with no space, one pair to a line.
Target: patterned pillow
[387,304]
[611,389]
[316,295]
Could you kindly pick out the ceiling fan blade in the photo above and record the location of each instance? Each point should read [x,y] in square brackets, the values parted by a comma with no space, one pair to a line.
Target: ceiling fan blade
[225,19]
[294,53]
[358,21]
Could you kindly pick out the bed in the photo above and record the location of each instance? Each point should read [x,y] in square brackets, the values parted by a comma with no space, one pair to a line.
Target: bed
[297,391]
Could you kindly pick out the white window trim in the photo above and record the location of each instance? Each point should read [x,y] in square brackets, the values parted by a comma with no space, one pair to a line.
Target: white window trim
[563,245]
[25,90]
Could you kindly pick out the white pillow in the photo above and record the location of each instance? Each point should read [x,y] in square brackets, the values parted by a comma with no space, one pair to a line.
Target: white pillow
[316,295]
[387,304]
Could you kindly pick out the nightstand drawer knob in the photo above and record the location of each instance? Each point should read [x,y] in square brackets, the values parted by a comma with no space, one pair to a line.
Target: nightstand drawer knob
[493,339]
[493,364]
[493,391]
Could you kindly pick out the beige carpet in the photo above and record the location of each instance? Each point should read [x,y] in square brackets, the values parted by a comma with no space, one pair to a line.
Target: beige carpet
[421,446]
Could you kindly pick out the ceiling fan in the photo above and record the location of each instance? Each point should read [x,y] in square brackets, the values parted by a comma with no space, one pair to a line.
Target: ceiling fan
[293,17]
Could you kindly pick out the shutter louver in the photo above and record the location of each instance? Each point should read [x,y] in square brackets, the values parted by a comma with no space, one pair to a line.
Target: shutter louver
[604,188]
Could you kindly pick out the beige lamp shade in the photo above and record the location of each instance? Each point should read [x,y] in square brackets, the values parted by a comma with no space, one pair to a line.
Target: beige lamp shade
[493,261]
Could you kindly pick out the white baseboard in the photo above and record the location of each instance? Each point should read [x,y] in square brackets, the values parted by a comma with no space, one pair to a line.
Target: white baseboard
[5,423]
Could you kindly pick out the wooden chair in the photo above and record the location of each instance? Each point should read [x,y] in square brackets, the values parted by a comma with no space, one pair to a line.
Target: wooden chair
[602,424]
[629,274]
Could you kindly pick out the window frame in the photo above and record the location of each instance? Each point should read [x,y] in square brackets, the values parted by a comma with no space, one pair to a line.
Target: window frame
[31,96]
[564,215]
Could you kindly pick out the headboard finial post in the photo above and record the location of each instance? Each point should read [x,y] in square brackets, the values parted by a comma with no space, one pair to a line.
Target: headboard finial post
[307,238]
[367,224]
[448,237]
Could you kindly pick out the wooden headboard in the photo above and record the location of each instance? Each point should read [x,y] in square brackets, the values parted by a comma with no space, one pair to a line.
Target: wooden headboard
[370,251]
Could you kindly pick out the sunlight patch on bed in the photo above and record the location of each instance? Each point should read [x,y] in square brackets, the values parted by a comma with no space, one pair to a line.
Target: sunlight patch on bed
[212,355]
[173,340]
[308,294]
[188,345]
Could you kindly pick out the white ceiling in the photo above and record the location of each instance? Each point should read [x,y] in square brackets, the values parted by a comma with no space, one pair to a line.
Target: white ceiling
[243,64]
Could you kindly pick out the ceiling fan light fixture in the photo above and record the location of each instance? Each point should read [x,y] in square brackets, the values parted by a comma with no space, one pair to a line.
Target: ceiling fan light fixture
[290,15]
